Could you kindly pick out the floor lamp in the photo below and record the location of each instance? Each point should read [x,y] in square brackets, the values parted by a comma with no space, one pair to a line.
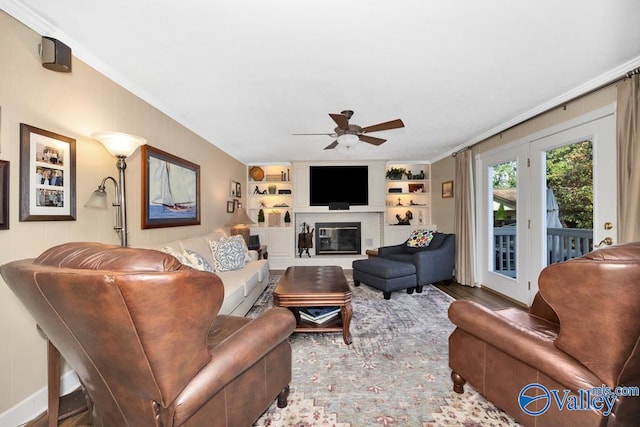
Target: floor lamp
[120,145]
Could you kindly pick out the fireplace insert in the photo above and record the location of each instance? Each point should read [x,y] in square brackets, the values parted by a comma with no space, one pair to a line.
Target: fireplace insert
[338,238]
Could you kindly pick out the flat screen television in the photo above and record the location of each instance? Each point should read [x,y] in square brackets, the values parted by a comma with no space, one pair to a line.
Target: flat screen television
[338,185]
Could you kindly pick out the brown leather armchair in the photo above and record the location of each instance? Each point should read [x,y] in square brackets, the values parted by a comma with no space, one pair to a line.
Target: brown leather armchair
[581,333]
[143,335]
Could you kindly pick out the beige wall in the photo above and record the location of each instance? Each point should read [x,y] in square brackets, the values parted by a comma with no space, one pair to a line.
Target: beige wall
[442,209]
[77,105]
[444,169]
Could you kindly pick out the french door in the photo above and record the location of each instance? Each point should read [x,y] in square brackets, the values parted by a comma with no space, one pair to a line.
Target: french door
[522,226]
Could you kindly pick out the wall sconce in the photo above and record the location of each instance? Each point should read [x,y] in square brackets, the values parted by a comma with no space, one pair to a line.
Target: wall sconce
[239,223]
[120,145]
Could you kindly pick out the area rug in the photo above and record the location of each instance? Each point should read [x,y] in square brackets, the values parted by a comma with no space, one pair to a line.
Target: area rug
[394,374]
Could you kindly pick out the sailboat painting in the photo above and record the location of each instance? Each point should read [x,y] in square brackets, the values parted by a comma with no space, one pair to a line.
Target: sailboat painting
[172,193]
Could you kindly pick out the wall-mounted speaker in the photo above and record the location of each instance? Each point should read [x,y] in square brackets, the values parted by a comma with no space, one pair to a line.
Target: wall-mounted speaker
[55,55]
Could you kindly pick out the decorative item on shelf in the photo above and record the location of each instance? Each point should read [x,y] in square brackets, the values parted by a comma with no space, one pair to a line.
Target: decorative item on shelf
[261,217]
[408,216]
[420,219]
[284,191]
[418,176]
[274,218]
[239,223]
[396,173]
[272,189]
[257,191]
[287,218]
[256,173]
[281,205]
[263,204]
[395,190]
[399,201]
[274,177]
[416,188]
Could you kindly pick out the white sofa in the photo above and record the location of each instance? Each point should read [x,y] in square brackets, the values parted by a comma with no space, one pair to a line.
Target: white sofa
[242,287]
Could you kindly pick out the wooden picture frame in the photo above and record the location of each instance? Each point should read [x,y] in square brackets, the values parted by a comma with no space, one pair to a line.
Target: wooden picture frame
[230,206]
[170,190]
[4,194]
[447,189]
[47,175]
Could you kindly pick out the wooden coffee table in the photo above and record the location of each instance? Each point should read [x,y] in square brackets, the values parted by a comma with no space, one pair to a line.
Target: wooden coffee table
[316,286]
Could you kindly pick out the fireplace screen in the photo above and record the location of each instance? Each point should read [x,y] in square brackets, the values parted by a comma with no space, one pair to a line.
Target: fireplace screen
[333,238]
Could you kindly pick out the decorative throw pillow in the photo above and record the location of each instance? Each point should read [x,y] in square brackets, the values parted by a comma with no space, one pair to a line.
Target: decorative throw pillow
[195,260]
[245,248]
[228,254]
[420,238]
[178,255]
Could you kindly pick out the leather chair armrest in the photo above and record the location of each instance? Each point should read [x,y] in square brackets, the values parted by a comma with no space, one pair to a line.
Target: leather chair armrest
[524,337]
[236,354]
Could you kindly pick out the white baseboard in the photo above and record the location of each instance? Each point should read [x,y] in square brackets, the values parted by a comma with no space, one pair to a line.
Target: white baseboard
[36,404]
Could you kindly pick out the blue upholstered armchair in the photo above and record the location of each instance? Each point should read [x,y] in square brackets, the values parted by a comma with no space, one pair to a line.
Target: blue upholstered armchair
[434,263]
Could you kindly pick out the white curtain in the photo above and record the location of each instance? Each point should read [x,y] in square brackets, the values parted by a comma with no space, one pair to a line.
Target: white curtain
[465,219]
[628,134]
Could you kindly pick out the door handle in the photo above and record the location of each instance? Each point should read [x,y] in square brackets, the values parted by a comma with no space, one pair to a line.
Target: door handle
[607,241]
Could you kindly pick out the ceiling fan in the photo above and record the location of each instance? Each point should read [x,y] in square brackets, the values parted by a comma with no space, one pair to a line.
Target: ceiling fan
[348,134]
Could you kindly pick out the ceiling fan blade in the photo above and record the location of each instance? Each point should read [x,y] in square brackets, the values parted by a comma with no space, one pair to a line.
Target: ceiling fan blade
[331,146]
[341,120]
[330,134]
[371,139]
[393,124]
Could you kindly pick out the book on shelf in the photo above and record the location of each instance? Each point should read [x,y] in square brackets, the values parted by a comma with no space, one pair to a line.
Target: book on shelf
[319,314]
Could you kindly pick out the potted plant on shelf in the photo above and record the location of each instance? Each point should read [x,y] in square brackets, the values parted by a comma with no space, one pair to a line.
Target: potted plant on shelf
[396,173]
[272,189]
[261,218]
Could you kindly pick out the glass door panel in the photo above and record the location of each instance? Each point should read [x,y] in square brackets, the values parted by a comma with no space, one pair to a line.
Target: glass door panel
[504,180]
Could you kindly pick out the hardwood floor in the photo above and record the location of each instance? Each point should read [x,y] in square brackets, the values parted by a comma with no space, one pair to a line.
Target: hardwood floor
[482,296]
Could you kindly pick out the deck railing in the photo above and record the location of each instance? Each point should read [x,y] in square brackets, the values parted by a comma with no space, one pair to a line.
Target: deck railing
[562,244]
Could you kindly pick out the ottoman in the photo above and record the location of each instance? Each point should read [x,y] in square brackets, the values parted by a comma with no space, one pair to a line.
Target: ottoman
[385,274]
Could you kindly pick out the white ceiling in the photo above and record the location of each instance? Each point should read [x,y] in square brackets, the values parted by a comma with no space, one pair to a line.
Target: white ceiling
[246,74]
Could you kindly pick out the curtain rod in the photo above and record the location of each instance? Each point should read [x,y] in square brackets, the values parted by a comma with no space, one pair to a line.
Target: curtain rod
[632,72]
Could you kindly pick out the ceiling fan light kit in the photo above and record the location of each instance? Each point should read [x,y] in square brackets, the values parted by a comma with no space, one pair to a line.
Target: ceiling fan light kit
[348,139]
[349,134]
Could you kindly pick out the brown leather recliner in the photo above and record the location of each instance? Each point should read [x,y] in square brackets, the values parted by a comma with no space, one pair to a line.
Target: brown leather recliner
[143,335]
[581,333]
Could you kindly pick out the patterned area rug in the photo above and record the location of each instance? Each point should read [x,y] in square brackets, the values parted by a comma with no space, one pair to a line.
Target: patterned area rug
[394,374]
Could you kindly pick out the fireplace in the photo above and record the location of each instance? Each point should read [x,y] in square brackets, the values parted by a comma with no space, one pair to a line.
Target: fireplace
[338,238]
